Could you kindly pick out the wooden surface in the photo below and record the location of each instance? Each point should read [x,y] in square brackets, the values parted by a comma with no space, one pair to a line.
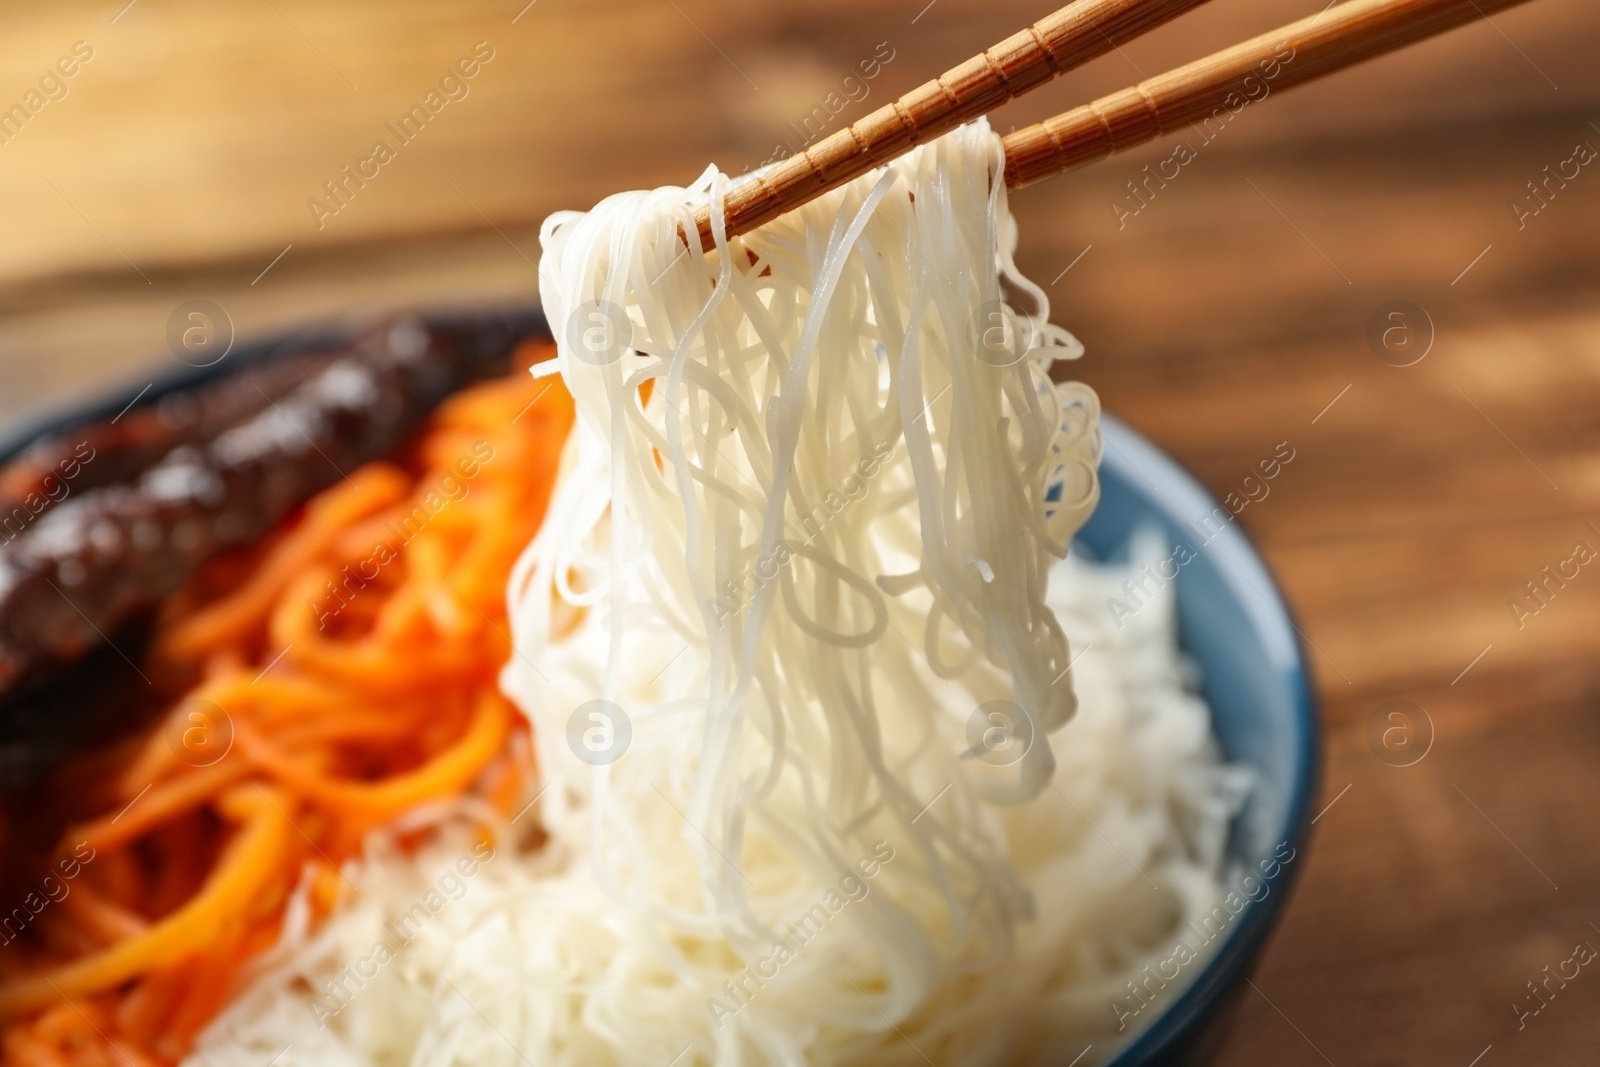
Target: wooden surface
[1223,317]
[1208,92]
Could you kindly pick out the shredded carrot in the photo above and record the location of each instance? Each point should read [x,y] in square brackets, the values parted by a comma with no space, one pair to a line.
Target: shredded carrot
[22,1047]
[348,677]
[207,988]
[147,1004]
[162,803]
[251,858]
[108,922]
[373,487]
[447,774]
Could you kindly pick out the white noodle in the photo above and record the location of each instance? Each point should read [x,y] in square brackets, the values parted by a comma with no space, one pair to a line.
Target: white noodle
[807,562]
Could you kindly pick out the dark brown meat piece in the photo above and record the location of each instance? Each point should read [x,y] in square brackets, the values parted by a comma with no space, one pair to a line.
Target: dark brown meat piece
[118,449]
[101,556]
[79,585]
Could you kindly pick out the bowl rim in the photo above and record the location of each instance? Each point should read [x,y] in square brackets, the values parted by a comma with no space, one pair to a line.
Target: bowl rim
[136,389]
[1131,453]
[1239,560]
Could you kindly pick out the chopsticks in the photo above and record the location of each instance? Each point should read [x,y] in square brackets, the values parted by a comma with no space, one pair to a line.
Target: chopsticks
[1228,80]
[1057,43]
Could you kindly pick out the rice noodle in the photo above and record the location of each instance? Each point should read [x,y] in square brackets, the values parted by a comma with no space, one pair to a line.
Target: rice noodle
[805,545]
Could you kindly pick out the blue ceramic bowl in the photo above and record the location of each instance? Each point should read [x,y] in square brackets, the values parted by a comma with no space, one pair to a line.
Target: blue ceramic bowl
[1233,622]
[1231,619]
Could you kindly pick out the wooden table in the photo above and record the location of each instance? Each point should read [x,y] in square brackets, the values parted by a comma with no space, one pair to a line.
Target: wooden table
[1228,315]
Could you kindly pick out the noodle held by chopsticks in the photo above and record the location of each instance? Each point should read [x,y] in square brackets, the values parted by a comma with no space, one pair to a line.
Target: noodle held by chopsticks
[354,665]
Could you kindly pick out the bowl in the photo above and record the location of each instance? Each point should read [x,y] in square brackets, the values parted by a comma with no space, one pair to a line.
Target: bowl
[1231,620]
[1233,623]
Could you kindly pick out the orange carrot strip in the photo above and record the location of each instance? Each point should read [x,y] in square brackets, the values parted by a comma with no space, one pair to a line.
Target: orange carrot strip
[237,694]
[163,802]
[445,775]
[106,921]
[254,855]
[25,1050]
[209,978]
[146,1006]
[374,486]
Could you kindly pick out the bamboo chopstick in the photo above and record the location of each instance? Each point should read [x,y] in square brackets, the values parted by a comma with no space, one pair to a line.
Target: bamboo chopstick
[1339,37]
[1055,44]
[1227,81]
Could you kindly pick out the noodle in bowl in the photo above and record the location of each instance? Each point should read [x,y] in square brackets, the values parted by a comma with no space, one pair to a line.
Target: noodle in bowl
[844,760]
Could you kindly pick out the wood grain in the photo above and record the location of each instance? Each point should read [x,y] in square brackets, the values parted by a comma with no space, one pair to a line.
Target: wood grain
[1219,86]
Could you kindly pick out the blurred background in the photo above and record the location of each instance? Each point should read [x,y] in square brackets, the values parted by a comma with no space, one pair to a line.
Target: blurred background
[1237,307]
